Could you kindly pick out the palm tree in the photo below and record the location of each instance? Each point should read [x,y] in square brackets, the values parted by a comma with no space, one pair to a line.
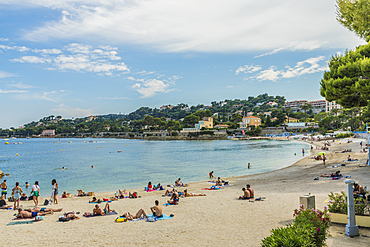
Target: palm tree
[305,107]
[288,110]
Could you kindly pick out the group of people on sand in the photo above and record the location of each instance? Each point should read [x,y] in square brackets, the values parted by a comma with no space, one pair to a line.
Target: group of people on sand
[18,193]
[151,187]
[248,193]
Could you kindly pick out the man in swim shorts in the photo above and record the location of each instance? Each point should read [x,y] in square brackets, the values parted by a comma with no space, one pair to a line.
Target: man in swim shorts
[4,188]
[251,191]
[98,211]
[246,195]
[25,214]
[43,210]
[157,210]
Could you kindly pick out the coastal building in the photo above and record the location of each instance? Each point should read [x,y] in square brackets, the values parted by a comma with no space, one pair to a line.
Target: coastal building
[295,103]
[222,104]
[164,107]
[259,104]
[332,105]
[207,107]
[250,121]
[268,113]
[90,118]
[291,120]
[221,126]
[206,122]
[271,103]
[250,113]
[318,105]
[48,133]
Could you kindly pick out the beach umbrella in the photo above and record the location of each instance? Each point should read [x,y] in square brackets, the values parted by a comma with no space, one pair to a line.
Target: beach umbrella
[321,153]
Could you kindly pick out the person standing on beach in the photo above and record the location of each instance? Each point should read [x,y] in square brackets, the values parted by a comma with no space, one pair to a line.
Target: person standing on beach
[16,192]
[361,144]
[323,159]
[211,175]
[249,165]
[55,190]
[4,188]
[35,192]
[303,151]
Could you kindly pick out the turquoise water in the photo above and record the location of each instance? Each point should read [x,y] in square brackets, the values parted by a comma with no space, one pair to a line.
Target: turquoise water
[138,162]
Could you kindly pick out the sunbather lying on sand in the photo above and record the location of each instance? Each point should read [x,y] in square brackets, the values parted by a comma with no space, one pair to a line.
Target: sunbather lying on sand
[246,195]
[350,159]
[71,216]
[43,210]
[26,215]
[186,194]
[170,192]
[139,214]
[336,175]
[98,211]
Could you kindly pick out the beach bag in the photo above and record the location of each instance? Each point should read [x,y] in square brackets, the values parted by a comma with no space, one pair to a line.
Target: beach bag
[64,219]
[134,195]
[39,218]
[46,202]
[121,219]
[151,219]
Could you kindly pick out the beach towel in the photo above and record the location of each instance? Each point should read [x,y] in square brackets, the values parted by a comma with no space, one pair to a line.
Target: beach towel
[217,188]
[165,217]
[100,202]
[91,215]
[21,222]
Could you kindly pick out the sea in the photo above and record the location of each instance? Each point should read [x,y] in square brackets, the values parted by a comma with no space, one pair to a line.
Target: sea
[103,165]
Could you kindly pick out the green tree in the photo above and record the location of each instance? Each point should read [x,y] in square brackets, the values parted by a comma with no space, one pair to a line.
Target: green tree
[348,79]
[354,15]
[191,120]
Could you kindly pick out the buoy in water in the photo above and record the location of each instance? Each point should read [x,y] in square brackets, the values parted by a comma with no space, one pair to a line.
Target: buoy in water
[17,154]
[7,174]
[61,150]
[92,166]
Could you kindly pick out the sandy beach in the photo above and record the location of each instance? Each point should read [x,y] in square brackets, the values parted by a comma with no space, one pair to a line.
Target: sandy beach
[216,219]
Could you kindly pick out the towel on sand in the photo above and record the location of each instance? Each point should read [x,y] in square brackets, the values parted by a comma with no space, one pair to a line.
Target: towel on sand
[110,213]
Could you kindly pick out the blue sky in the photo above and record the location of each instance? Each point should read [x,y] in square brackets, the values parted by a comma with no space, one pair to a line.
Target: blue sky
[75,58]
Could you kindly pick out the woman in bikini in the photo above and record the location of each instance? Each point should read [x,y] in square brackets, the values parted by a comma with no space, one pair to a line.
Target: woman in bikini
[16,192]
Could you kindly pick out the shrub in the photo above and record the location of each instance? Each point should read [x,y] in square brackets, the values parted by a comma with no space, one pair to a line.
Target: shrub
[310,228]
[174,133]
[291,236]
[344,135]
[314,219]
[338,204]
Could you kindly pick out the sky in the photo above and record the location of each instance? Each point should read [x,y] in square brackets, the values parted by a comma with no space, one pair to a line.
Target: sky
[75,58]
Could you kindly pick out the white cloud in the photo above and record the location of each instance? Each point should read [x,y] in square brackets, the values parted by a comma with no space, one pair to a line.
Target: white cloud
[20,85]
[4,39]
[150,87]
[268,74]
[308,66]
[4,74]
[12,91]
[68,111]
[79,58]
[248,69]
[17,48]
[206,26]
[47,51]
[31,59]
